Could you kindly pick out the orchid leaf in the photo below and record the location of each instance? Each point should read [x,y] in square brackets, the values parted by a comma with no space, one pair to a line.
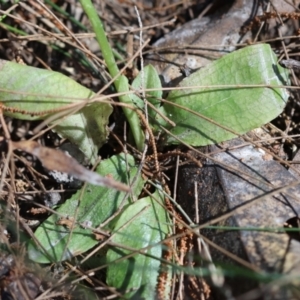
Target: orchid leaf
[248,94]
[27,92]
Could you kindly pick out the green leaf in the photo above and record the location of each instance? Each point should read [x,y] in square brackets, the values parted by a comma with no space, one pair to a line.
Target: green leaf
[146,225]
[96,205]
[239,109]
[35,90]
[150,80]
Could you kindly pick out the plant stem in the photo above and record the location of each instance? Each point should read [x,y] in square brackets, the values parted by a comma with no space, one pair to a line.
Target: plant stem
[121,82]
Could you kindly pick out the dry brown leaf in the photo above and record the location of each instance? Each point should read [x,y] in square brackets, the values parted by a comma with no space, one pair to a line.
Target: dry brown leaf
[99,236]
[56,160]
[68,222]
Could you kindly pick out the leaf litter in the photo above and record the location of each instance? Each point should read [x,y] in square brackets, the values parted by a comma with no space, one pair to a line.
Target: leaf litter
[56,160]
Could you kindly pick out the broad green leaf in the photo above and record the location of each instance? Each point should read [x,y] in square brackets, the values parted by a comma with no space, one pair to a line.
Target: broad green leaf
[150,80]
[35,90]
[96,205]
[239,109]
[146,224]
